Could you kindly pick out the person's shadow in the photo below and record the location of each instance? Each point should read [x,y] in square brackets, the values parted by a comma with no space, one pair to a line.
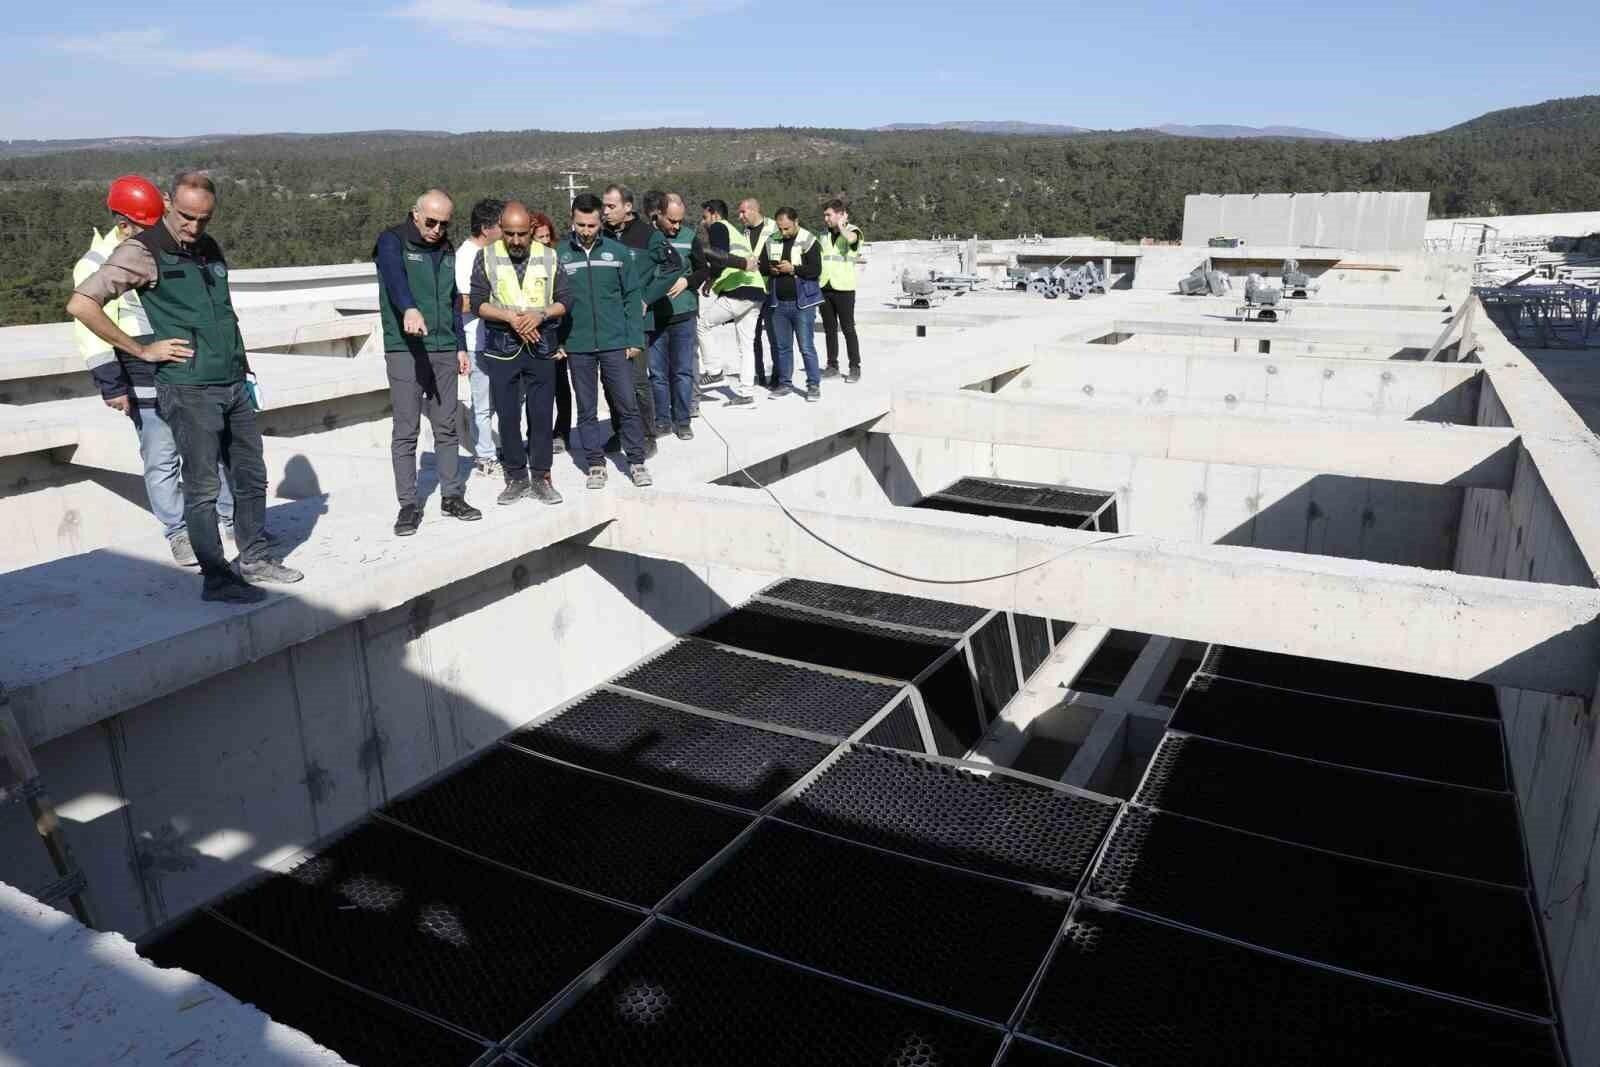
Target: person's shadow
[291,524]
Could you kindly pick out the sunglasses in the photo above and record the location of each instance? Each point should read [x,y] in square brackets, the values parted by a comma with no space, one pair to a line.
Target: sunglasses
[435,224]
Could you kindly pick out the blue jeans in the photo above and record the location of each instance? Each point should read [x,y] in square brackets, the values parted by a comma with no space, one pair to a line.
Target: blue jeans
[215,426]
[672,350]
[791,323]
[162,474]
[483,411]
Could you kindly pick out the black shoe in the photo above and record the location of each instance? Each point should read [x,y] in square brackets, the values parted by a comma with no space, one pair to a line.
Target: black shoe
[831,370]
[685,432]
[853,375]
[777,391]
[813,393]
[663,428]
[457,508]
[650,448]
[515,490]
[558,444]
[737,401]
[410,518]
[229,588]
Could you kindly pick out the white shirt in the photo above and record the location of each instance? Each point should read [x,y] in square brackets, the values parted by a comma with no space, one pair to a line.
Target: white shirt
[466,255]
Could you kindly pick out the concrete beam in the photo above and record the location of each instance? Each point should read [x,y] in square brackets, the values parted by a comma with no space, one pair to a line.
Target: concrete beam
[1008,734]
[1150,670]
[1479,457]
[1420,337]
[1096,760]
[1532,636]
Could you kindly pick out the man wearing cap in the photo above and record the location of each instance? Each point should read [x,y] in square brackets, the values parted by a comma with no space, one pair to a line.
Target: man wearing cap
[128,384]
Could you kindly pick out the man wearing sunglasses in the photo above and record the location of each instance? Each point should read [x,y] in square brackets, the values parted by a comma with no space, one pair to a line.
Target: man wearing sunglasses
[425,349]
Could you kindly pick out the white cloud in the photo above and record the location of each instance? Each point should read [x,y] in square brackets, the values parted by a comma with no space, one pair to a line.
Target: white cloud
[463,18]
[241,64]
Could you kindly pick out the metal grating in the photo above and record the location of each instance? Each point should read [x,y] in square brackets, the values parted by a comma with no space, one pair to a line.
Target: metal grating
[1447,748]
[892,608]
[679,999]
[1374,684]
[1023,494]
[1133,992]
[997,669]
[1072,520]
[1033,642]
[952,713]
[992,824]
[1463,938]
[635,844]
[1397,820]
[779,630]
[705,676]
[364,1030]
[898,729]
[674,749]
[430,927]
[945,937]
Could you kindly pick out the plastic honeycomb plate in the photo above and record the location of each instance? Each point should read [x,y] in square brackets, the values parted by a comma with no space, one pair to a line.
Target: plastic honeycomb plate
[632,843]
[455,937]
[1141,994]
[991,824]
[749,687]
[893,608]
[1413,823]
[853,646]
[997,671]
[680,999]
[952,713]
[942,936]
[1033,642]
[673,749]
[898,729]
[1453,936]
[1374,684]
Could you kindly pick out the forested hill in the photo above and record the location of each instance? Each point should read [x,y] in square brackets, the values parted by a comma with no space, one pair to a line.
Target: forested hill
[301,199]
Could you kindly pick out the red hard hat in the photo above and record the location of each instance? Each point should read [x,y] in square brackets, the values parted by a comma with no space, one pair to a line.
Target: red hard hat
[136,198]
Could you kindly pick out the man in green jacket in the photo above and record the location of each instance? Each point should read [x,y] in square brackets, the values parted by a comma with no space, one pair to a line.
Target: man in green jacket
[604,328]
[670,310]
[201,387]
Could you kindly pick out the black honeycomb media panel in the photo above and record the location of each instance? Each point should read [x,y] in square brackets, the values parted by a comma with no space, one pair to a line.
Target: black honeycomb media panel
[1106,670]
[1426,825]
[1033,642]
[1446,748]
[1374,684]
[365,1030]
[997,670]
[672,749]
[992,824]
[1457,937]
[779,630]
[898,729]
[894,608]
[599,834]
[430,927]
[679,999]
[952,712]
[945,937]
[1143,994]
[706,676]
[1028,502]
[1024,1052]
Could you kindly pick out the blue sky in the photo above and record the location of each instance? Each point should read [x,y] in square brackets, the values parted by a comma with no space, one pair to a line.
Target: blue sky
[1363,69]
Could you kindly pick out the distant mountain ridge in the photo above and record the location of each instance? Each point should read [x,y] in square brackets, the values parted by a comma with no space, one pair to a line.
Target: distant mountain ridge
[1031,129]
[1231,132]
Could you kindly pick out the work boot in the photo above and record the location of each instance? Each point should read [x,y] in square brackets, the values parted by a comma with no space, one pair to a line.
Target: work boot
[545,492]
[182,551]
[268,570]
[597,478]
[737,401]
[831,370]
[558,444]
[409,519]
[229,588]
[685,432]
[515,490]
[457,508]
[640,476]
[813,393]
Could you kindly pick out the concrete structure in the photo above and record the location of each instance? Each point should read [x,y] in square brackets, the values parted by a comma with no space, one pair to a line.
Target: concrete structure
[1364,222]
[1318,487]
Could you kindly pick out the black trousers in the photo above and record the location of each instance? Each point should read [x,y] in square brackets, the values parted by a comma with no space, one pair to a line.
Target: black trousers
[765,332]
[563,425]
[523,384]
[216,424]
[839,312]
[644,396]
[592,371]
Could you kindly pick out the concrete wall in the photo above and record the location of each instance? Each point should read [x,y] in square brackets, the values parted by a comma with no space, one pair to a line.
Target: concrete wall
[1367,222]
[172,802]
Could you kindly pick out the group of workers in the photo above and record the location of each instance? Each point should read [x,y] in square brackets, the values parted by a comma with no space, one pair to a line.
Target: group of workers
[637,303]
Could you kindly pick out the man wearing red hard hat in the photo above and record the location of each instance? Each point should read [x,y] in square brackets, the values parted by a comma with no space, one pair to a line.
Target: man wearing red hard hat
[127,383]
